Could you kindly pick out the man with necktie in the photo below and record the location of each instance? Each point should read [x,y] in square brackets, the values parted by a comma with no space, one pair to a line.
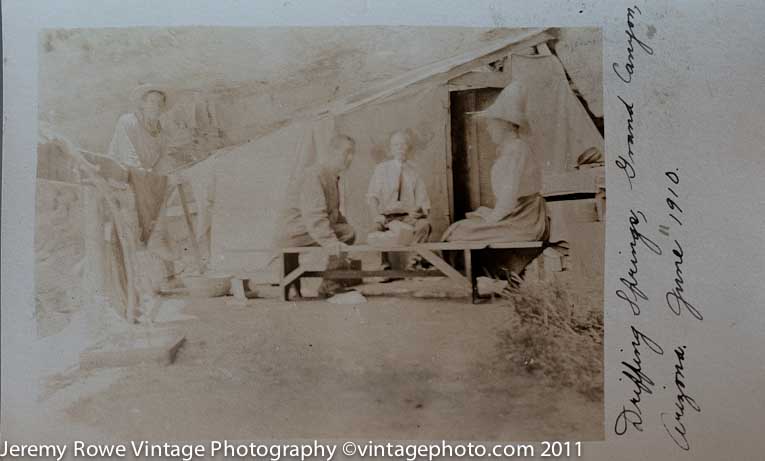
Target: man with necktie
[398,193]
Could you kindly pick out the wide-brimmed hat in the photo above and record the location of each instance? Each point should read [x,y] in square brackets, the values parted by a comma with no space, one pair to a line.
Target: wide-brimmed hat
[509,106]
[138,93]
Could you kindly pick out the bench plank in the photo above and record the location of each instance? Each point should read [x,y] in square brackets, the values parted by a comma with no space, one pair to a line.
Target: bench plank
[426,250]
[418,246]
[509,245]
[356,274]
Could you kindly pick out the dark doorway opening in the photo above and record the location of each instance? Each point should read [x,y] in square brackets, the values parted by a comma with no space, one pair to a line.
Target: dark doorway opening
[473,151]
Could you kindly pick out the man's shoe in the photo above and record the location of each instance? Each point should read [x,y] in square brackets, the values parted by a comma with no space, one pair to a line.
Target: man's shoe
[386,267]
[329,288]
[418,263]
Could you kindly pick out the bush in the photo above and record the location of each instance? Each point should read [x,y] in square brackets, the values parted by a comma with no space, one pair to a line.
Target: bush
[556,335]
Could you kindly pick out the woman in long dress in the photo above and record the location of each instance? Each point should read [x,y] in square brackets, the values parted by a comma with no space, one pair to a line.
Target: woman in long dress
[516,180]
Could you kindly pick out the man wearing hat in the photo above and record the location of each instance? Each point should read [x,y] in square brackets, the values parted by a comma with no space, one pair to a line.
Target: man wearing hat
[137,145]
[137,140]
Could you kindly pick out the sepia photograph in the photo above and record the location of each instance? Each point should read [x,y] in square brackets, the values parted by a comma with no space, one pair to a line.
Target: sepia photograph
[359,232]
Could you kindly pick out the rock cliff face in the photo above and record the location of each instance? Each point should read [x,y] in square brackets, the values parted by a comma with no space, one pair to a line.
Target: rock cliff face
[233,83]
[59,252]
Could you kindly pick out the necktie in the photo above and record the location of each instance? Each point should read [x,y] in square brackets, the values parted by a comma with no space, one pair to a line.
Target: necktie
[400,181]
[337,191]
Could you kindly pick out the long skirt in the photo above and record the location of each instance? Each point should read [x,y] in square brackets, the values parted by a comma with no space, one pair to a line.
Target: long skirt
[527,222]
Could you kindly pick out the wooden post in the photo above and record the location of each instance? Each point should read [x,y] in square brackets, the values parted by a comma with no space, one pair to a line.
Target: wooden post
[541,270]
[449,160]
[190,226]
[473,155]
[94,279]
[284,290]
[470,273]
[237,289]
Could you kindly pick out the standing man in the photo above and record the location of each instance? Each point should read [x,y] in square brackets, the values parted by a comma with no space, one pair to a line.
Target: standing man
[315,218]
[137,139]
[398,193]
[137,145]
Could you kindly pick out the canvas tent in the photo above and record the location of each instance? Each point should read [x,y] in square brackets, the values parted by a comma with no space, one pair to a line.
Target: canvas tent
[246,186]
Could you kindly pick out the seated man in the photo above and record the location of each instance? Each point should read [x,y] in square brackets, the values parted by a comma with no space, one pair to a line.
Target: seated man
[314,217]
[398,193]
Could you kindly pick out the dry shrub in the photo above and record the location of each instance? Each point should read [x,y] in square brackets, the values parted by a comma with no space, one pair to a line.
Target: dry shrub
[556,335]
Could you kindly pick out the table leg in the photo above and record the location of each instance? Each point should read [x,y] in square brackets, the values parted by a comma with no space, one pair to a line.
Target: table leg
[237,289]
[291,275]
[284,291]
[471,275]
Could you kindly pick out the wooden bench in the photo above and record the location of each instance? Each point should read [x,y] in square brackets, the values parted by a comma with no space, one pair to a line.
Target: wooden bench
[293,271]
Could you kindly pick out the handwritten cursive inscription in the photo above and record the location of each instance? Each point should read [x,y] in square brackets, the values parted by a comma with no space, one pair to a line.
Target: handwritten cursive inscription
[632,415]
[671,201]
[632,39]
[638,369]
[634,294]
[626,163]
[678,432]
[675,298]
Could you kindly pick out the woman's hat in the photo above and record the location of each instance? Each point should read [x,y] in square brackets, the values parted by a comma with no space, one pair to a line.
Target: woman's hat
[509,106]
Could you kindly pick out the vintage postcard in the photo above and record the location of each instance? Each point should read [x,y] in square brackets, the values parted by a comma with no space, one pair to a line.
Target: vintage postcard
[295,230]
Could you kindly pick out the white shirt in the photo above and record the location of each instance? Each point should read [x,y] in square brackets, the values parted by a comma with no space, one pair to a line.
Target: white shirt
[394,181]
[133,145]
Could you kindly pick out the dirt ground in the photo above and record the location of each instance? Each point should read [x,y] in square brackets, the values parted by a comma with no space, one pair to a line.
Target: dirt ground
[392,368]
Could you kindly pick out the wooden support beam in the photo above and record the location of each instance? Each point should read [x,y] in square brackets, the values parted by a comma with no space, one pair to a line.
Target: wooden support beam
[476,80]
[444,267]
[543,49]
[446,69]
[147,346]
[190,226]
[292,276]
